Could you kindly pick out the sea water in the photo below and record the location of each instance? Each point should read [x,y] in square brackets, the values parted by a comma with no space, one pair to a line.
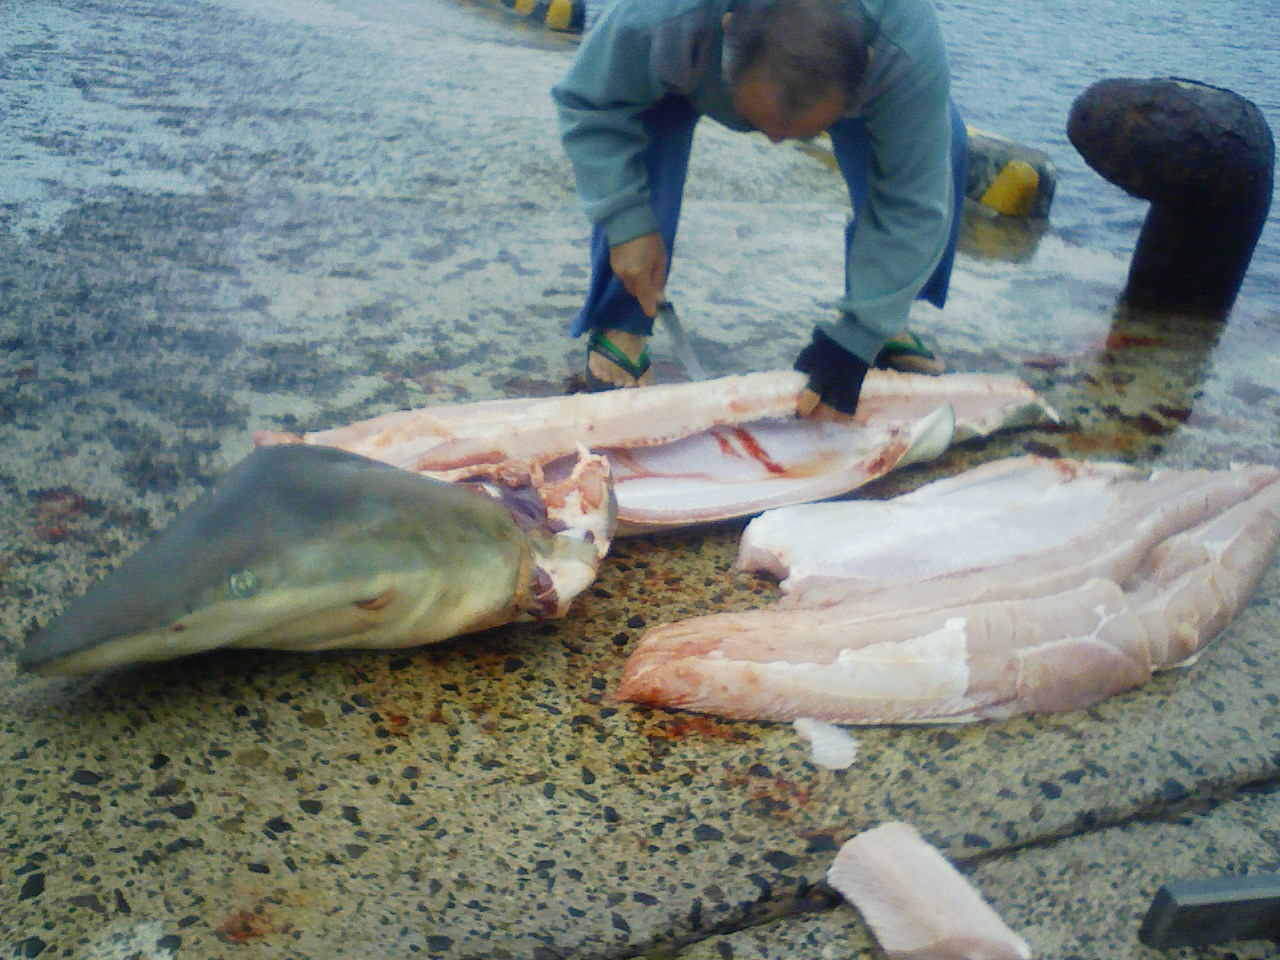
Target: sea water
[1017,68]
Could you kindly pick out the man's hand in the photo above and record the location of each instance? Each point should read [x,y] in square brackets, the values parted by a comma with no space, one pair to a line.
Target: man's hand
[835,376]
[641,265]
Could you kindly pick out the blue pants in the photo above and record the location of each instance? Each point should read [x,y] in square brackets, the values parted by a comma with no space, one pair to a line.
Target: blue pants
[670,124]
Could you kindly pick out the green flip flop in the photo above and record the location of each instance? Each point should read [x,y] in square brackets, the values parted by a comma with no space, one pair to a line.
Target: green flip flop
[635,369]
[907,352]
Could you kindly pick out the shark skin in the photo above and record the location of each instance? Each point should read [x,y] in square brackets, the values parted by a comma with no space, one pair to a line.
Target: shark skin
[312,548]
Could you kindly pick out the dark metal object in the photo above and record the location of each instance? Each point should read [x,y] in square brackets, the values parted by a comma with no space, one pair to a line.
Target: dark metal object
[1205,158]
[1192,913]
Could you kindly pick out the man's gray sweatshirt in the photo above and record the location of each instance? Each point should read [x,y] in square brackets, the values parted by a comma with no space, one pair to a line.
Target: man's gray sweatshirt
[641,51]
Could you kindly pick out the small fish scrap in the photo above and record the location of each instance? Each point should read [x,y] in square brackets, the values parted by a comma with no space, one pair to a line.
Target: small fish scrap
[1028,585]
[916,904]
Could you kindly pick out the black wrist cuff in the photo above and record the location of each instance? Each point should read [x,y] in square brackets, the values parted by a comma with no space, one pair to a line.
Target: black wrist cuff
[835,374]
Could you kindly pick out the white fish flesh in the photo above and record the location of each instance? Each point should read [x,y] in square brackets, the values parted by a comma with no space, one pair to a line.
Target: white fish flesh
[829,746]
[1028,585]
[916,904]
[691,453]
[744,469]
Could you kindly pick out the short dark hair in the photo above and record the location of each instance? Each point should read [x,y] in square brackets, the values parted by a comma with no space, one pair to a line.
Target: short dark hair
[807,47]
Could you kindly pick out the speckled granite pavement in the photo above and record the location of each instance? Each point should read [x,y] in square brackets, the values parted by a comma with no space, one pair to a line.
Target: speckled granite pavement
[233,216]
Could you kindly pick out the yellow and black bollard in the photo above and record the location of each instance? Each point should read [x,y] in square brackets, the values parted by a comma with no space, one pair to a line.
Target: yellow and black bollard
[563,15]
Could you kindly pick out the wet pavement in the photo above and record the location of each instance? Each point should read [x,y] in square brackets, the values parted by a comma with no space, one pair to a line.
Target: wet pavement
[284,215]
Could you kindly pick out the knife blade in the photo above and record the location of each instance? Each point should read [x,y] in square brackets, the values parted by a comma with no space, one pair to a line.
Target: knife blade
[684,352]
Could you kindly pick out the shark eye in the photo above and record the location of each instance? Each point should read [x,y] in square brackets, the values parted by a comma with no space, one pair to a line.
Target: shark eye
[378,602]
[243,584]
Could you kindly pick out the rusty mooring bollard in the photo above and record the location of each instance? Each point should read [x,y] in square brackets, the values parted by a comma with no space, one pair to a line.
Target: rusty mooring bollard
[1205,159]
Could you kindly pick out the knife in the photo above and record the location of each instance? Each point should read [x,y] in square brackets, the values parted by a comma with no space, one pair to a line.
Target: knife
[684,352]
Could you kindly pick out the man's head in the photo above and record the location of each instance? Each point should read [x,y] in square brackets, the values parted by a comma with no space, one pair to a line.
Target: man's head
[791,63]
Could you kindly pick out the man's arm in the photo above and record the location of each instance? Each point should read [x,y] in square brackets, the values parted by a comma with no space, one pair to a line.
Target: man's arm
[600,100]
[901,233]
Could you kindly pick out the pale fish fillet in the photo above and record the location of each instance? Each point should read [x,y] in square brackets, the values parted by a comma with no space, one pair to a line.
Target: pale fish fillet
[463,435]
[693,453]
[916,904]
[1040,521]
[981,596]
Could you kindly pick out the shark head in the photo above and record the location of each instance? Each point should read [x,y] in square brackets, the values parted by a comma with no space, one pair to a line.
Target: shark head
[300,547]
